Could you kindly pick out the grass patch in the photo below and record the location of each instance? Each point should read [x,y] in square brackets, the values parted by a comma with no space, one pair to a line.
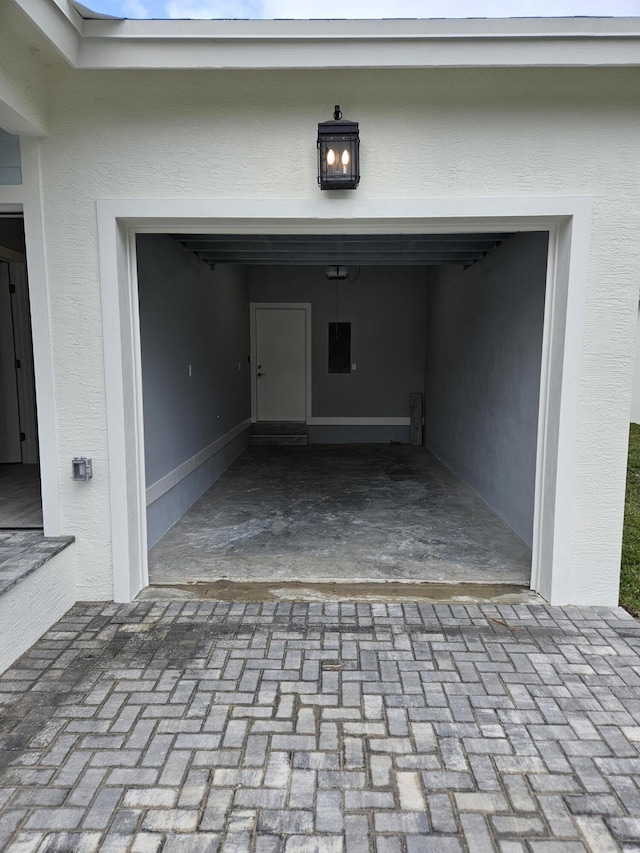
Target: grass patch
[630,573]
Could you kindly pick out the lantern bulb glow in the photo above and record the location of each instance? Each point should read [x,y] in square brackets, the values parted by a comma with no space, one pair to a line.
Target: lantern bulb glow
[345,157]
[331,157]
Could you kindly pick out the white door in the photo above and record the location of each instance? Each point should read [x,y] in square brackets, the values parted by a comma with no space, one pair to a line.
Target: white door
[280,364]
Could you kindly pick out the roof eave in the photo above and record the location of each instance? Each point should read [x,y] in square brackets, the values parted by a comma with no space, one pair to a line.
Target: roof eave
[289,44]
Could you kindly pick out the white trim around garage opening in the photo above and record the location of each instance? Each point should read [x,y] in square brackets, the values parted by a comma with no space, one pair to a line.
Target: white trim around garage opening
[568,221]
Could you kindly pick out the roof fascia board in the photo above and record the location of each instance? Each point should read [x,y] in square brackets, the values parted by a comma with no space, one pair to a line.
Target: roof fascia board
[58,22]
[358,53]
[342,28]
[511,42]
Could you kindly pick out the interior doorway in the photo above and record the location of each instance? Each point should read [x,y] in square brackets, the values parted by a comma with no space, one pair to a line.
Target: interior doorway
[20,487]
[279,362]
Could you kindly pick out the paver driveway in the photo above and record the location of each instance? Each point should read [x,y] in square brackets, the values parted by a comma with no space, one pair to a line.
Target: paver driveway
[393,728]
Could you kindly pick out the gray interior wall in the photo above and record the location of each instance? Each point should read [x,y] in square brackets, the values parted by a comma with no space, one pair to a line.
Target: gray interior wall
[483,356]
[386,307]
[10,163]
[189,315]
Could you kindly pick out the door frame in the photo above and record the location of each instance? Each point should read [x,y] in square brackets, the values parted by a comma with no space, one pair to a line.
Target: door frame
[25,200]
[253,308]
[568,221]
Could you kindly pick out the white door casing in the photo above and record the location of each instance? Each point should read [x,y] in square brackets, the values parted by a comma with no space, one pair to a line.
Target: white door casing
[26,200]
[278,362]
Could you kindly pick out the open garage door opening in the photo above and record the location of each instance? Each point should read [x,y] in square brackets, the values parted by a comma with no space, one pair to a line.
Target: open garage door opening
[278,375]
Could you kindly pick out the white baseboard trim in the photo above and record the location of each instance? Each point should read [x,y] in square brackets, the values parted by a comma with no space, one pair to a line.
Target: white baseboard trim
[164,484]
[359,421]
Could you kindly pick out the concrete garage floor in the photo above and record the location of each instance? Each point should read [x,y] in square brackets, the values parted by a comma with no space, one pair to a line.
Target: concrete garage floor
[340,513]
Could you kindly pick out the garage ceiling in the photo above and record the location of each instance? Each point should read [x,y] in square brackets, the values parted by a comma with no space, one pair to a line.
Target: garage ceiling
[344,249]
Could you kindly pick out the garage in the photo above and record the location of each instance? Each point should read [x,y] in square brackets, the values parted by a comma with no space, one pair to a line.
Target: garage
[514,127]
[278,377]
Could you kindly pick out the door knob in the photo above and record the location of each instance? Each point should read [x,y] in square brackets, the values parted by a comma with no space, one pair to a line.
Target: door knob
[261,374]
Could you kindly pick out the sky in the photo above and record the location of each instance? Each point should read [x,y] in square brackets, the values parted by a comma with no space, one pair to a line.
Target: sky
[351,9]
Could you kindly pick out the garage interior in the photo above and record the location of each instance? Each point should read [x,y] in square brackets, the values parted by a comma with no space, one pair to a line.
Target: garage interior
[457,318]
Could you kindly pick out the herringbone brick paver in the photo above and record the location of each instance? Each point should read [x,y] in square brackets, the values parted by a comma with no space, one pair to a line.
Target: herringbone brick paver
[334,728]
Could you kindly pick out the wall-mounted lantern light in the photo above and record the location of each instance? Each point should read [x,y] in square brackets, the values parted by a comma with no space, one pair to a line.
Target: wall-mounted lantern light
[338,153]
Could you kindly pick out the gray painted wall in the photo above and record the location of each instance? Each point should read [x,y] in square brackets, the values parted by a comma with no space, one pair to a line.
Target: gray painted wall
[189,315]
[484,344]
[386,307]
[10,163]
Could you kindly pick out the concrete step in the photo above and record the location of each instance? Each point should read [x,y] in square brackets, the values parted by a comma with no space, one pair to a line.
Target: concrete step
[279,428]
[255,440]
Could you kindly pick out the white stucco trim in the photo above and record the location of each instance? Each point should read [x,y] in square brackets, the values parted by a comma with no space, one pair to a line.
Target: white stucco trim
[15,122]
[164,484]
[570,245]
[31,191]
[123,379]
[359,421]
[32,606]
[304,306]
[566,219]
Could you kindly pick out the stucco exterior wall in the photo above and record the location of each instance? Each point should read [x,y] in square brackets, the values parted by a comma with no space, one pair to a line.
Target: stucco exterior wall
[425,134]
[32,606]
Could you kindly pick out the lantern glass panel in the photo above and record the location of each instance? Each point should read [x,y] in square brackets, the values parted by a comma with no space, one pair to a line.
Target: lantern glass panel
[338,166]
